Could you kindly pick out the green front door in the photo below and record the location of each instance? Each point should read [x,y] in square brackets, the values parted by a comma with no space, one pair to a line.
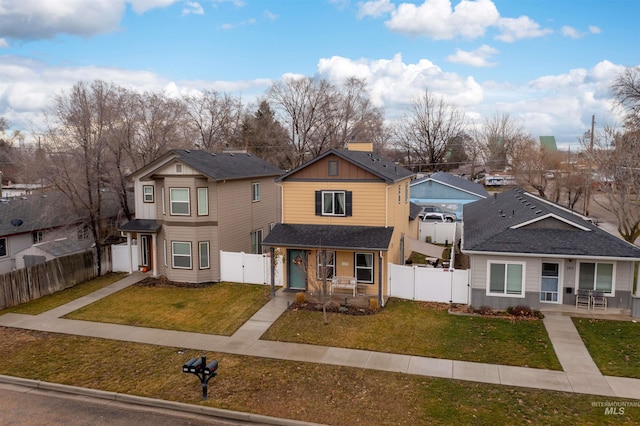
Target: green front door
[296,269]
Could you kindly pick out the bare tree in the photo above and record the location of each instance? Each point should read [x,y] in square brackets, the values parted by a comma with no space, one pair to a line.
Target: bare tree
[499,136]
[426,130]
[616,158]
[78,146]
[217,119]
[307,108]
[534,166]
[626,93]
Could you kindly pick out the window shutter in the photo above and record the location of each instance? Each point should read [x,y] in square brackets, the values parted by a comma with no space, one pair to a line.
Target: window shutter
[348,203]
[318,203]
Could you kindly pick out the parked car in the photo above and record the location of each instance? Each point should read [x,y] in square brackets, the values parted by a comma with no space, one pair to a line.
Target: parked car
[436,213]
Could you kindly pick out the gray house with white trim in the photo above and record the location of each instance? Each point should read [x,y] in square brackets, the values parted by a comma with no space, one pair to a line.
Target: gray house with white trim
[525,250]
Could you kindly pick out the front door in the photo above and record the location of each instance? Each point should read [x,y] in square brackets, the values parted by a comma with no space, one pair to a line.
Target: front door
[145,251]
[296,269]
[550,282]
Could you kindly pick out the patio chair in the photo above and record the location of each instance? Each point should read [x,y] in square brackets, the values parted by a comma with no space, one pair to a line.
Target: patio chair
[583,298]
[598,300]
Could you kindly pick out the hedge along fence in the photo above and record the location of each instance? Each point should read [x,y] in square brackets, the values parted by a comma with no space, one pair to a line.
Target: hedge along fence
[26,284]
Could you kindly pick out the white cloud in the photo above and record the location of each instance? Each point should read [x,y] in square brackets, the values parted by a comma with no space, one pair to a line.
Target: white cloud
[141,6]
[594,30]
[477,58]
[518,28]
[33,19]
[192,8]
[250,21]
[394,84]
[270,15]
[571,32]
[375,8]
[436,19]
[3,43]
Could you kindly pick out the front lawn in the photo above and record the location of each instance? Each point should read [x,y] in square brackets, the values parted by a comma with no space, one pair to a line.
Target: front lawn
[613,345]
[215,309]
[307,392]
[59,298]
[414,328]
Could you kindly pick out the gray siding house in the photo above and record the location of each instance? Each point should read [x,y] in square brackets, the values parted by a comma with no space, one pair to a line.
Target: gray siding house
[525,250]
[190,204]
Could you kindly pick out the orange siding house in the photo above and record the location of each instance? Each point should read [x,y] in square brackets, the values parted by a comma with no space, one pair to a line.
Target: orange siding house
[352,205]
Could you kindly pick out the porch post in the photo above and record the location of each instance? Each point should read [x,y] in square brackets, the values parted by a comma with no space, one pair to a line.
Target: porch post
[154,255]
[129,251]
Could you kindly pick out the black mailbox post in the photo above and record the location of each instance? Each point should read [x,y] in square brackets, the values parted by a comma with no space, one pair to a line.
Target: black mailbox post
[204,371]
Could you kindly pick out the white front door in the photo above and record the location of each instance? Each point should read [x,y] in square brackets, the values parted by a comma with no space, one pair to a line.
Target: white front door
[550,282]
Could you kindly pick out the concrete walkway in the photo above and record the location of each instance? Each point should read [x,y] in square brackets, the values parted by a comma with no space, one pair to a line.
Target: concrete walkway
[579,374]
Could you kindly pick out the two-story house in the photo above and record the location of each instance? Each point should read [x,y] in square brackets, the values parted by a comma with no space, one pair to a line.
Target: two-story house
[190,204]
[352,205]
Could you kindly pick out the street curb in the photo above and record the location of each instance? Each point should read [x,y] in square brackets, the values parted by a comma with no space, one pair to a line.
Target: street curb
[151,402]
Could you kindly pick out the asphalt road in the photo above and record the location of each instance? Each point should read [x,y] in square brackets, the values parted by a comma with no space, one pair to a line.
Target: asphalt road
[24,407]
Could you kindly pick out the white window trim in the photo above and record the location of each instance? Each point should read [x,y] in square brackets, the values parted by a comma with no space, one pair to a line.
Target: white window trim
[164,208]
[173,255]
[203,211]
[255,192]
[144,194]
[344,194]
[505,294]
[200,245]
[356,267]
[188,203]
[165,254]
[613,277]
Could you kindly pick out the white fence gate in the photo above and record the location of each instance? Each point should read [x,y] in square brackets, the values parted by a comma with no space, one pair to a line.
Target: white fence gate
[249,268]
[429,284]
[439,232]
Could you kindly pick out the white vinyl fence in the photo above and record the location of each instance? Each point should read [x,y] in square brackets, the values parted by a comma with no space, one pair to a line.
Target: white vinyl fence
[120,257]
[428,284]
[439,232]
[249,268]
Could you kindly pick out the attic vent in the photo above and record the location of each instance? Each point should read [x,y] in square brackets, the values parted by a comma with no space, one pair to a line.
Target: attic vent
[213,154]
[187,151]
[178,168]
[532,207]
[538,211]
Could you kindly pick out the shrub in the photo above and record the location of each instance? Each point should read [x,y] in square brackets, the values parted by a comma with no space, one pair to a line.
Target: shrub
[523,311]
[484,310]
[300,297]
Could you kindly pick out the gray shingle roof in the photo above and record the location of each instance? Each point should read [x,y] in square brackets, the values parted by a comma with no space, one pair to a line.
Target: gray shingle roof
[382,167]
[330,237]
[414,210]
[518,222]
[141,225]
[457,182]
[226,165]
[63,246]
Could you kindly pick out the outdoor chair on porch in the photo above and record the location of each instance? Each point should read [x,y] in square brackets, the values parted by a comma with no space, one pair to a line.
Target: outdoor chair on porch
[598,300]
[583,298]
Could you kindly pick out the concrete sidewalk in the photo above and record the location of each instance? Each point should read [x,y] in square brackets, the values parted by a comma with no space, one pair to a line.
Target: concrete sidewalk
[580,373]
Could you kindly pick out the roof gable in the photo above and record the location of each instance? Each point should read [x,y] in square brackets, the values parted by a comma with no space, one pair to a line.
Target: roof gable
[458,183]
[381,167]
[214,165]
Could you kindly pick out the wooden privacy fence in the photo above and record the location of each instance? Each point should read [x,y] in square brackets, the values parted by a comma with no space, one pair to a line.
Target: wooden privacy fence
[26,284]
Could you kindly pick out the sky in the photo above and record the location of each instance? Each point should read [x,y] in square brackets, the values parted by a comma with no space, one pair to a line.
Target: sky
[547,63]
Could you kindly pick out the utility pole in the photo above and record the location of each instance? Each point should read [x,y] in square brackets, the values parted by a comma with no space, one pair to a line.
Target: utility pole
[588,192]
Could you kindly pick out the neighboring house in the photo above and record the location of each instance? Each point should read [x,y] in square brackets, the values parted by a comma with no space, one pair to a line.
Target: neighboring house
[525,250]
[191,204]
[30,220]
[42,252]
[355,206]
[446,191]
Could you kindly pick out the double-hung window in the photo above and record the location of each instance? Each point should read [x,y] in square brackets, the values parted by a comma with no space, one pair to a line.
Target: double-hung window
[179,199]
[147,193]
[203,248]
[364,267]
[255,191]
[326,261]
[203,201]
[506,279]
[596,276]
[181,254]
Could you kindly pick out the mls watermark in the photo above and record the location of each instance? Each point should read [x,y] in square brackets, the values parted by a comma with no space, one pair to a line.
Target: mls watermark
[615,408]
